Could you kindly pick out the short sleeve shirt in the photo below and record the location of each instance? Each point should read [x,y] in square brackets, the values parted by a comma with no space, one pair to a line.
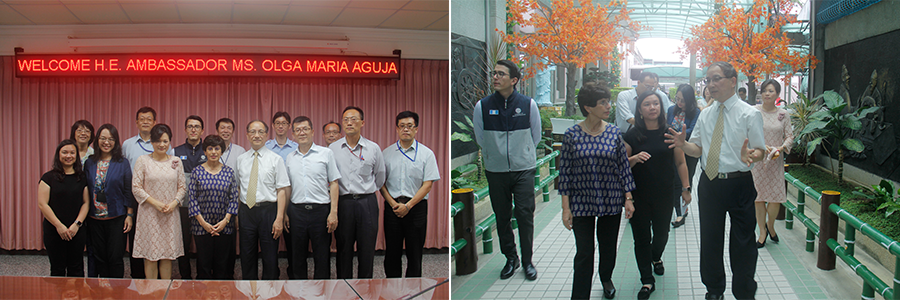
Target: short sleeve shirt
[407,169]
[311,174]
[272,174]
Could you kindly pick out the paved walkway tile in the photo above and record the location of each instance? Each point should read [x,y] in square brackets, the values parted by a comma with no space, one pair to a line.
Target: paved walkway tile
[780,274]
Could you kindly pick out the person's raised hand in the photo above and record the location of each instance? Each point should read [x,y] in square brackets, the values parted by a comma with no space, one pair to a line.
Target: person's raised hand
[676,138]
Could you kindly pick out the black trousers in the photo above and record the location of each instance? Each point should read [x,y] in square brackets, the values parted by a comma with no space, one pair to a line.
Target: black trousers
[256,231]
[504,188]
[184,262]
[676,199]
[357,224]
[137,264]
[735,197]
[66,257]
[650,228]
[607,235]
[212,257]
[411,229]
[108,244]
[309,223]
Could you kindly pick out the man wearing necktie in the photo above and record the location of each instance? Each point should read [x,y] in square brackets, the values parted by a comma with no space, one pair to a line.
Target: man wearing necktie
[721,138]
[264,182]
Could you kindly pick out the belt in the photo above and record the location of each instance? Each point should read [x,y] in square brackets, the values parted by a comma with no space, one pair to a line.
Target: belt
[261,204]
[309,206]
[403,199]
[355,196]
[731,175]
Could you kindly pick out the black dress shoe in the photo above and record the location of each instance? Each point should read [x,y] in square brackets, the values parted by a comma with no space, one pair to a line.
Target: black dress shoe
[714,297]
[530,272]
[645,292]
[609,290]
[760,245]
[658,268]
[677,224]
[773,237]
[510,268]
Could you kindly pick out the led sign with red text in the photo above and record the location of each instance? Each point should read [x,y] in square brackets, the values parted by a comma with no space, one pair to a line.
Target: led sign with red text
[252,65]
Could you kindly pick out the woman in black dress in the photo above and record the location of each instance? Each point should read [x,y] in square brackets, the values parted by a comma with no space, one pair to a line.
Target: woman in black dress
[653,165]
[63,200]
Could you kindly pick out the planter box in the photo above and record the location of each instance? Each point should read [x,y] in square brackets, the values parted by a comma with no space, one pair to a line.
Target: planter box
[560,125]
[863,243]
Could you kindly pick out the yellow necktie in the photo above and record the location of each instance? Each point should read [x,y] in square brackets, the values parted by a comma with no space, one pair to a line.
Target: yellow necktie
[254,173]
[712,161]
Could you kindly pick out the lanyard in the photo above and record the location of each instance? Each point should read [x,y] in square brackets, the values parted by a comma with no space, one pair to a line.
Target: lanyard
[360,156]
[407,156]
[142,146]
[230,146]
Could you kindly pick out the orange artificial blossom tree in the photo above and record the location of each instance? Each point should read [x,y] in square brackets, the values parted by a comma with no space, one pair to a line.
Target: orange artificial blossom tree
[567,35]
[750,39]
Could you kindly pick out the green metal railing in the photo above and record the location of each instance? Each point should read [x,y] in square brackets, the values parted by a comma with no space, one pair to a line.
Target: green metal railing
[871,283]
[484,228]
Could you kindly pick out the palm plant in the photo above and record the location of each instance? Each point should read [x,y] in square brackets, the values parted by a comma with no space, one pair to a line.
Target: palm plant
[801,110]
[835,127]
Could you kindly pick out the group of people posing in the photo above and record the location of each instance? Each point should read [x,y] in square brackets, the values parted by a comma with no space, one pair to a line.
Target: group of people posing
[101,193]
[641,167]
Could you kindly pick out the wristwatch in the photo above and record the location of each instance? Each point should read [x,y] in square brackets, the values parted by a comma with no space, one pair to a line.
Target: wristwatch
[78,223]
[686,189]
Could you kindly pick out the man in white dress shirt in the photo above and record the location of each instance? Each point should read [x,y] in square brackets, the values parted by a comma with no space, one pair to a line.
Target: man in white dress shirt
[225,130]
[411,169]
[626,101]
[361,164]
[264,183]
[721,138]
[314,201]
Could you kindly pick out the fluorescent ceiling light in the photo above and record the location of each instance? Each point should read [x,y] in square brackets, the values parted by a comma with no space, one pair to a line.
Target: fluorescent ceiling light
[208,42]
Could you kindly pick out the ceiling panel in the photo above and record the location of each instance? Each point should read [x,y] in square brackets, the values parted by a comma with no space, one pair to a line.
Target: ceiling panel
[46,13]
[8,16]
[383,4]
[303,15]
[442,24]
[428,5]
[400,14]
[259,14]
[204,13]
[99,13]
[151,12]
[362,17]
[412,19]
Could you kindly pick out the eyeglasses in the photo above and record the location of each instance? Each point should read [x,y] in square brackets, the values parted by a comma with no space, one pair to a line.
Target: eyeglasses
[103,139]
[351,119]
[406,126]
[83,131]
[142,120]
[714,79]
[282,123]
[255,132]
[193,127]
[304,129]
[679,99]
[498,74]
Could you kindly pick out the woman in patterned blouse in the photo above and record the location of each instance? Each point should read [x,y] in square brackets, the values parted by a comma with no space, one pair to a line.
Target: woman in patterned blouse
[213,202]
[595,183]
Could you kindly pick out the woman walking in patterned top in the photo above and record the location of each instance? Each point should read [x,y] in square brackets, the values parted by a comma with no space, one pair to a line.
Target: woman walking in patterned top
[112,202]
[158,186]
[654,165]
[213,203]
[595,183]
[768,175]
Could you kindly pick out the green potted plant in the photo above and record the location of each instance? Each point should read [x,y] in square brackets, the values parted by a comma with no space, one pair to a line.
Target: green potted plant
[834,127]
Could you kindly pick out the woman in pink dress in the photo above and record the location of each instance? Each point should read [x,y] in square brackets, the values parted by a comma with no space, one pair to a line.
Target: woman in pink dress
[158,186]
[768,175]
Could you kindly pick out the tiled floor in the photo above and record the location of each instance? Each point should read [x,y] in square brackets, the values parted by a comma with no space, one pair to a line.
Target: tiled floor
[779,273]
